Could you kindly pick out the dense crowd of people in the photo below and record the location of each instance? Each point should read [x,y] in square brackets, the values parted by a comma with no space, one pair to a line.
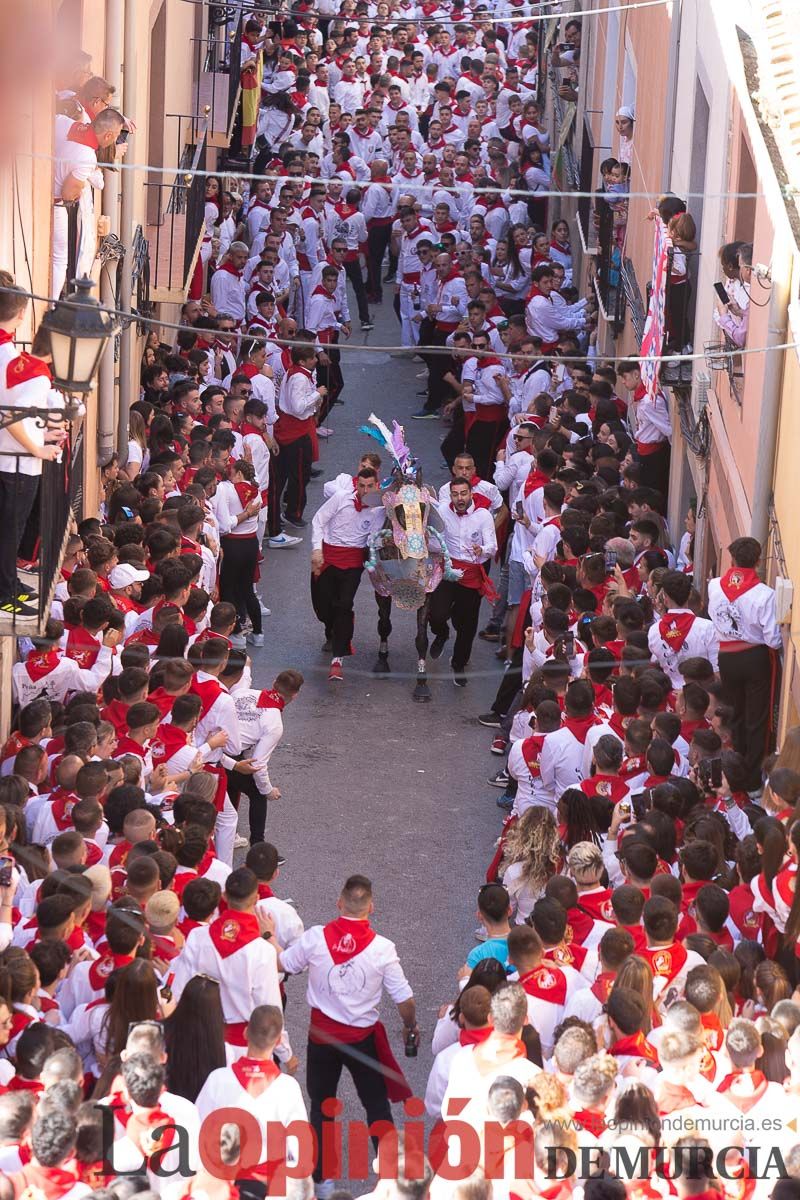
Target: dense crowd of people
[630,996]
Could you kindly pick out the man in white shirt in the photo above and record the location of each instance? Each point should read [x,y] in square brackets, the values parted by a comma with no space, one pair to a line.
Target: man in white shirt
[742,609]
[471,541]
[235,950]
[562,754]
[340,533]
[680,634]
[349,965]
[228,290]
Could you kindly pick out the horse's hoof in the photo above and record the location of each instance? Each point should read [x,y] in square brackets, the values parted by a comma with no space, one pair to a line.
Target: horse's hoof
[382,665]
[422,693]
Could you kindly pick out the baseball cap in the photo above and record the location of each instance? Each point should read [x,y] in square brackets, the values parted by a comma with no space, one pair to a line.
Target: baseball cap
[124,574]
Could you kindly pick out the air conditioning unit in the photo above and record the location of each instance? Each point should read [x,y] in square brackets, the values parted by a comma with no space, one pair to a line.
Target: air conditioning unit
[784,592]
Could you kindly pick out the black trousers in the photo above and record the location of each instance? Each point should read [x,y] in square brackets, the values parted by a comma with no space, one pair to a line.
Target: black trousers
[293,473]
[384,616]
[437,364]
[330,376]
[245,785]
[274,523]
[17,494]
[453,441]
[750,680]
[356,276]
[378,239]
[324,1065]
[333,594]
[510,685]
[461,606]
[239,562]
[482,442]
[654,469]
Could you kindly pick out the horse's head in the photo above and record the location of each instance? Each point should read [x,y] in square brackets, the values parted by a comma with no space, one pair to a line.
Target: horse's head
[408,508]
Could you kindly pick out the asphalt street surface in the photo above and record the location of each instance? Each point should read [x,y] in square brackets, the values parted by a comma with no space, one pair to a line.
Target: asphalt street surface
[370,781]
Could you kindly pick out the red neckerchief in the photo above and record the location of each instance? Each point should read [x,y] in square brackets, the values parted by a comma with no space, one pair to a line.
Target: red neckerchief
[674,628]
[162,699]
[232,931]
[246,492]
[84,135]
[594,1123]
[580,726]
[666,961]
[597,904]
[531,748]
[62,803]
[255,1074]
[248,429]
[672,1097]
[473,1037]
[169,740]
[15,743]
[713,1031]
[535,479]
[230,269]
[346,937]
[637,1046]
[737,581]
[271,699]
[744,1103]
[119,855]
[82,647]
[208,690]
[41,664]
[545,983]
[101,968]
[601,988]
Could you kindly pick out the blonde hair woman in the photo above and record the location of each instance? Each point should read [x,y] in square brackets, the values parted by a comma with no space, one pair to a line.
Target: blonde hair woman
[532,855]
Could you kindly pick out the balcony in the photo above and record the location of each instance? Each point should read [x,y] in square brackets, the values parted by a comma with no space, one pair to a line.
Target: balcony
[217,87]
[175,217]
[58,502]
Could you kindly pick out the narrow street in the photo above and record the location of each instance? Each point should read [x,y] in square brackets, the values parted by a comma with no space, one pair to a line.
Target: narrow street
[372,782]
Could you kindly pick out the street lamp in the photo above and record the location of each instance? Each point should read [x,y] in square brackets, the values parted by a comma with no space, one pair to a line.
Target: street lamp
[79,331]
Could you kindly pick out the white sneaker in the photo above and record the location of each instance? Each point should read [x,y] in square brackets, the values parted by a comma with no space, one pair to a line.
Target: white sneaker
[255,639]
[241,843]
[283,539]
[324,432]
[265,612]
[238,640]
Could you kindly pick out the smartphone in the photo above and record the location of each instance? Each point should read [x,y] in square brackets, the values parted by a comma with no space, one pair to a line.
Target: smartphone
[611,561]
[6,867]
[723,295]
[715,773]
[518,509]
[569,645]
[123,137]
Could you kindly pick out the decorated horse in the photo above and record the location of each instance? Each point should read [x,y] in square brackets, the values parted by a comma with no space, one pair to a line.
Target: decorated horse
[407,557]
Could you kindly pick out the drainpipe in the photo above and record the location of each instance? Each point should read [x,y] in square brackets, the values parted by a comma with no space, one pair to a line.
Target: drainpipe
[771,396]
[129,183]
[106,423]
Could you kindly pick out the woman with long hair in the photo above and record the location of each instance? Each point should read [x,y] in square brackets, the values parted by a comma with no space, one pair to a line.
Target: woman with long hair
[577,820]
[532,855]
[509,278]
[135,998]
[195,1037]
[636,973]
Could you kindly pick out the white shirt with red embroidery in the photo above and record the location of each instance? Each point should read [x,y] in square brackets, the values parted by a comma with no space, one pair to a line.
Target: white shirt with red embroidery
[749,617]
[701,641]
[349,992]
[65,678]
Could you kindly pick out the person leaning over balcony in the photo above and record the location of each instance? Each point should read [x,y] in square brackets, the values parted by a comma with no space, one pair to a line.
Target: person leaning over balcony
[735,259]
[742,609]
[24,383]
[77,144]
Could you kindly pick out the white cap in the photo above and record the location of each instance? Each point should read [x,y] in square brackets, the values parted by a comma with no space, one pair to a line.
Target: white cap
[627,112]
[125,574]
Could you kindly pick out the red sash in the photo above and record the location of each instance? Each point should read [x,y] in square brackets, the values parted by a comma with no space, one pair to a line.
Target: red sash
[232,931]
[344,558]
[323,1030]
[474,576]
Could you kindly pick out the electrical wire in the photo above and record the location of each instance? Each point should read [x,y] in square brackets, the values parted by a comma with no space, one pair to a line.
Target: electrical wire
[187,173]
[534,18]
[135,318]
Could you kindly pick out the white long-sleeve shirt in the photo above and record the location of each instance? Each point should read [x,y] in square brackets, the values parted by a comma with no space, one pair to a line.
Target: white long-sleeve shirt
[471,537]
[65,678]
[701,641]
[339,523]
[748,618]
[229,506]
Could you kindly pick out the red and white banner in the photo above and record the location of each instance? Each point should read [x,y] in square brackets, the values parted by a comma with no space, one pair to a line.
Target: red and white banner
[655,324]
